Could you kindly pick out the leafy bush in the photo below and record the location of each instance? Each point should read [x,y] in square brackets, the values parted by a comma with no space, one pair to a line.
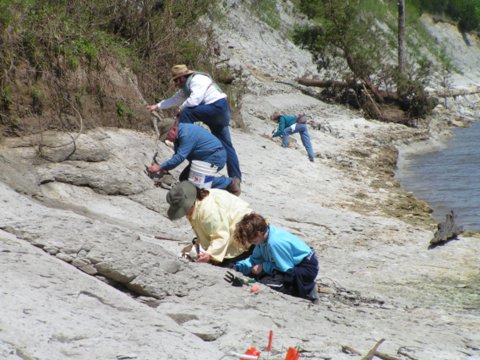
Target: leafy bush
[350,39]
[53,39]
[466,12]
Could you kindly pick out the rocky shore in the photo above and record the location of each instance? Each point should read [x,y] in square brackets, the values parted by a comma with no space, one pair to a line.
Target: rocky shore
[92,267]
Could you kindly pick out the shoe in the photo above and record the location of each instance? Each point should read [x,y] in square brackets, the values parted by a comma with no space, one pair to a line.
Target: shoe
[313,296]
[311,160]
[234,187]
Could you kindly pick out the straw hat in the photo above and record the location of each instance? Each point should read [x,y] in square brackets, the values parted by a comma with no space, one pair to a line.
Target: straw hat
[180,70]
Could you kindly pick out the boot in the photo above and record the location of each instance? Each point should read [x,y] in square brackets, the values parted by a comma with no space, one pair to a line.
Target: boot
[234,187]
[313,296]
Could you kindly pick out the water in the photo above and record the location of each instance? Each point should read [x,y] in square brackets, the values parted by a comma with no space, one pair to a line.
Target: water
[449,178]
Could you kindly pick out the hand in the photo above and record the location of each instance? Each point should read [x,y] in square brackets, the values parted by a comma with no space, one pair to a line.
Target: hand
[257,269]
[203,257]
[152,108]
[153,168]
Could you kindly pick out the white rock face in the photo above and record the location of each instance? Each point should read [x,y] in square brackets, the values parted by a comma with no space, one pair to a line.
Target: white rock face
[66,225]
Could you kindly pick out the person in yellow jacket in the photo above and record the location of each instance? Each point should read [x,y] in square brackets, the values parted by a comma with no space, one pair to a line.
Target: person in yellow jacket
[213,215]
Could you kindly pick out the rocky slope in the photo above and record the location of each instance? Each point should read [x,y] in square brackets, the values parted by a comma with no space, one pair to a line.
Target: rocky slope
[92,266]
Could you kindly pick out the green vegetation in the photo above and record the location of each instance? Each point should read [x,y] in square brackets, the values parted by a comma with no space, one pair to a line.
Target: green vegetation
[50,44]
[124,112]
[266,10]
[6,97]
[358,39]
[56,55]
[465,12]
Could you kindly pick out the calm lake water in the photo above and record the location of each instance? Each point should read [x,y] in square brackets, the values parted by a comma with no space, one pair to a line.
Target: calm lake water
[449,178]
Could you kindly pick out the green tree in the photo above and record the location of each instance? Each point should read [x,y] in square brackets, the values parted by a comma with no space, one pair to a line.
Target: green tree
[347,39]
[465,12]
[343,40]
[401,36]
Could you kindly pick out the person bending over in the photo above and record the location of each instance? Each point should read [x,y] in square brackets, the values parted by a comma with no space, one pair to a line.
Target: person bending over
[201,99]
[213,215]
[193,142]
[291,124]
[279,260]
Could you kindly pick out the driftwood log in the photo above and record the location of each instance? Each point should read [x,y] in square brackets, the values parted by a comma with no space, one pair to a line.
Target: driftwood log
[384,95]
[379,104]
[380,95]
[373,350]
[455,92]
[371,354]
[446,231]
[376,103]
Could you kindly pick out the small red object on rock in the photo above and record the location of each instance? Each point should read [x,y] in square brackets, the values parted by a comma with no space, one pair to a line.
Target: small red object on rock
[292,354]
[251,351]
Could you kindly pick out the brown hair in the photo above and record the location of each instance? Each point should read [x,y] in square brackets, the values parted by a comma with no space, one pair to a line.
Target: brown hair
[275,116]
[202,193]
[249,227]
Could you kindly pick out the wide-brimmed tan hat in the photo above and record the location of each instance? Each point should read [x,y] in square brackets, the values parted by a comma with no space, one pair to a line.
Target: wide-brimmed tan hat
[180,70]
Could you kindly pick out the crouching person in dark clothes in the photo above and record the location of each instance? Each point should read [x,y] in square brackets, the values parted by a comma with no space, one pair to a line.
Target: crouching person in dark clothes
[280,260]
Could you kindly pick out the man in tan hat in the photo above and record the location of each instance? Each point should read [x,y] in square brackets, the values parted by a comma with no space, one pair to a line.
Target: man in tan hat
[201,99]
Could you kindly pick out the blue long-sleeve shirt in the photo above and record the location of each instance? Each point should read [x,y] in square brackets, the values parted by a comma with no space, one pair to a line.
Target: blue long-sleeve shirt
[193,143]
[281,251]
[283,122]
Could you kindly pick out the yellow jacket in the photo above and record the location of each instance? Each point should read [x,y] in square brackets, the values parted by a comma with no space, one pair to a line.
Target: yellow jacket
[214,219]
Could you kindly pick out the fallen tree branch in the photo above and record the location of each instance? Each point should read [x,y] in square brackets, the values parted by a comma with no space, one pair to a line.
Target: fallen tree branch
[155,119]
[378,112]
[349,350]
[455,92]
[385,356]
[323,83]
[387,109]
[166,237]
[373,350]
[303,90]
[371,354]
[385,95]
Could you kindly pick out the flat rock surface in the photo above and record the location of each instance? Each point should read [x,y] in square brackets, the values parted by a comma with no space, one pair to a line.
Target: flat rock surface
[92,262]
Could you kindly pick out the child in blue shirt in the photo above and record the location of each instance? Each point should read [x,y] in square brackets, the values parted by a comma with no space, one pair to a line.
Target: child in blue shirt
[278,256]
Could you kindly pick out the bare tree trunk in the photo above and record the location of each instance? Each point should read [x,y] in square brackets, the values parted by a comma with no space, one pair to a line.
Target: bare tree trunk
[401,35]
[366,80]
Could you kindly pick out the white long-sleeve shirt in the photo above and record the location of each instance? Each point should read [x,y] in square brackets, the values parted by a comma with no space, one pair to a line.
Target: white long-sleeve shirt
[202,91]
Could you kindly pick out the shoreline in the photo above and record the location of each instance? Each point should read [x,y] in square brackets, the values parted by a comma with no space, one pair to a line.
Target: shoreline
[437,142]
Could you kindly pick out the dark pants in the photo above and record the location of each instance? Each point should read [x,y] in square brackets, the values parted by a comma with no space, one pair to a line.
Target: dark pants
[298,281]
[217,117]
